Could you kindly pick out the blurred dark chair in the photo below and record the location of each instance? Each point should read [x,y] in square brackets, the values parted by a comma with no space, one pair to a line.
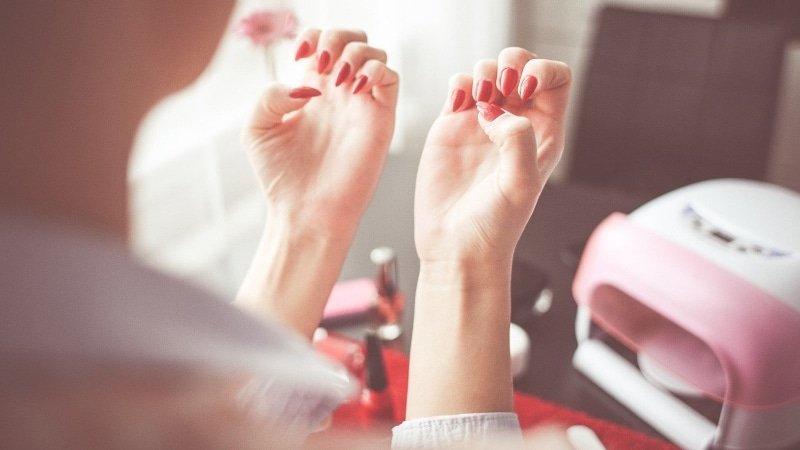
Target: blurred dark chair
[670,99]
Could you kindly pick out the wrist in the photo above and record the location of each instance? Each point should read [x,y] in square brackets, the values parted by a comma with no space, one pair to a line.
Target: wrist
[293,272]
[451,248]
[478,295]
[461,319]
[296,225]
[467,274]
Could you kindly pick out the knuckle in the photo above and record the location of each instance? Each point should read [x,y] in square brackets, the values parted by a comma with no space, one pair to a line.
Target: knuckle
[310,31]
[485,63]
[458,78]
[516,126]
[521,124]
[339,38]
[381,54]
[354,48]
[334,37]
[566,71]
[512,52]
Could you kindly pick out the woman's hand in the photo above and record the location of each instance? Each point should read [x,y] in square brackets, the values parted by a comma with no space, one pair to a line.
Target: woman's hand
[318,150]
[480,175]
[483,167]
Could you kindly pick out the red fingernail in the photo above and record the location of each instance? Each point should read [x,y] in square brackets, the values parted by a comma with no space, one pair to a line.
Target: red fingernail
[362,81]
[528,86]
[508,80]
[458,99]
[304,92]
[302,50]
[484,91]
[489,111]
[344,72]
[324,59]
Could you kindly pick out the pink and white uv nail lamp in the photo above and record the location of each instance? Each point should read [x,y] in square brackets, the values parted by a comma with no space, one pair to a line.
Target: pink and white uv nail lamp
[703,284]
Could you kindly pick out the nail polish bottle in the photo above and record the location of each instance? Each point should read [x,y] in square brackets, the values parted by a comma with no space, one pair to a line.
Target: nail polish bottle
[390,300]
[348,352]
[375,403]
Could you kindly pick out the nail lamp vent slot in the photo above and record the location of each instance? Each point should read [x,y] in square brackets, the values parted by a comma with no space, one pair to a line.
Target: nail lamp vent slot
[719,235]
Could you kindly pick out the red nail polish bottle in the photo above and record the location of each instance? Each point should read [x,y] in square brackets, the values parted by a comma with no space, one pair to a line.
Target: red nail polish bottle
[376,403]
[350,353]
[390,300]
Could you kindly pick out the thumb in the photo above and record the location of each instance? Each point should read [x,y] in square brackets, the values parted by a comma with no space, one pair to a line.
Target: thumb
[277,101]
[516,142]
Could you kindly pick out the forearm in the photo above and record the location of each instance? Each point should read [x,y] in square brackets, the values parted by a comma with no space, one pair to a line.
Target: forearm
[292,273]
[460,360]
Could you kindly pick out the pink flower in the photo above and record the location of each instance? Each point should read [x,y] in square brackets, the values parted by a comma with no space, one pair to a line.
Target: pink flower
[267,27]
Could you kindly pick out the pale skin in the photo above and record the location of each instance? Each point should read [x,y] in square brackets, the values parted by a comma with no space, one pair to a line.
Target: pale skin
[479,178]
[323,153]
[478,183]
[318,160]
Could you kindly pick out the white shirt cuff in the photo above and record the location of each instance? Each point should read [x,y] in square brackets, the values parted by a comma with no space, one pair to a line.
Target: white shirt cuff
[478,430]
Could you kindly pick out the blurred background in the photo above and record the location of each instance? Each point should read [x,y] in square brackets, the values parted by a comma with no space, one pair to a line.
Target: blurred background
[666,92]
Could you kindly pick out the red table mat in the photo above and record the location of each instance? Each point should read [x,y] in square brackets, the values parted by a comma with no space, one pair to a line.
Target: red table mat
[532,412]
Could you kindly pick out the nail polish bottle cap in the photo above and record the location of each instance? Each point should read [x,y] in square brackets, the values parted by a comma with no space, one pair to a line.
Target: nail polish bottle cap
[382,255]
[385,278]
[374,368]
